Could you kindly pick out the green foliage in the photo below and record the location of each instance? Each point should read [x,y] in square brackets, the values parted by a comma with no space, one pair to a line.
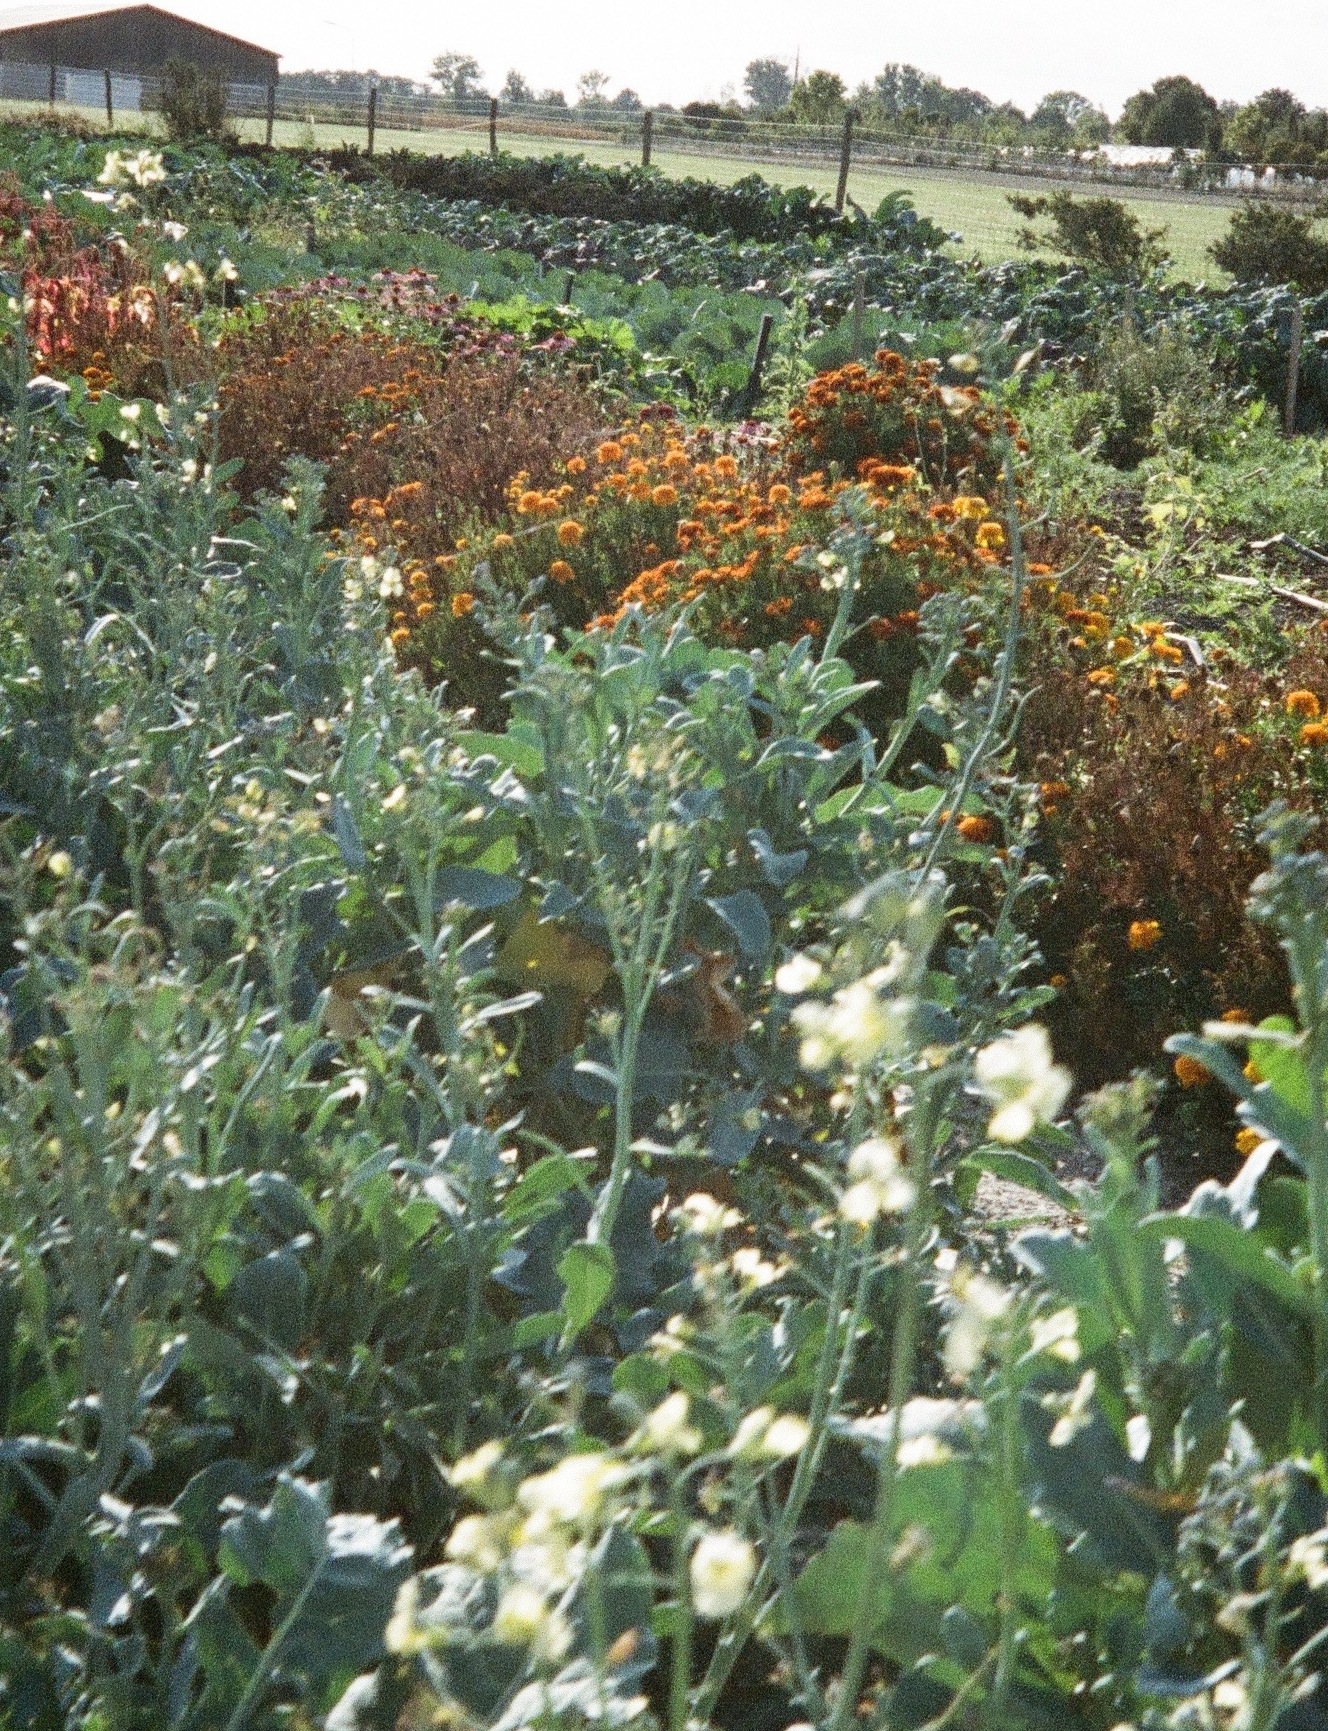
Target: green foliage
[193,102]
[1102,233]
[1267,243]
[1175,112]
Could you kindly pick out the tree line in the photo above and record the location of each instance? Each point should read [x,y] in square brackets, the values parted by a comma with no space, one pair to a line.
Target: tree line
[1175,113]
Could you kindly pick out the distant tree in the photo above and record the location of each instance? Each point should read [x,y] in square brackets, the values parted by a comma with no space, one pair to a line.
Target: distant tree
[590,88]
[1175,113]
[818,98]
[628,101]
[458,76]
[768,83]
[340,82]
[1276,127]
[1059,113]
[516,92]
[552,99]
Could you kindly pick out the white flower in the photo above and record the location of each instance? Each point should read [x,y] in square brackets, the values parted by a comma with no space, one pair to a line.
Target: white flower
[174,231]
[982,1303]
[1308,1556]
[708,1217]
[570,1495]
[855,1026]
[402,1635]
[1057,1335]
[752,1269]
[926,1450]
[391,585]
[474,1474]
[226,272]
[113,170]
[723,1569]
[525,1620]
[1019,1076]
[798,976]
[1076,1411]
[880,1185]
[766,1434]
[478,1542]
[60,865]
[666,1430]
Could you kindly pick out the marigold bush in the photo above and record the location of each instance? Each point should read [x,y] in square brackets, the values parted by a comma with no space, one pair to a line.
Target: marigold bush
[726,523]
[896,411]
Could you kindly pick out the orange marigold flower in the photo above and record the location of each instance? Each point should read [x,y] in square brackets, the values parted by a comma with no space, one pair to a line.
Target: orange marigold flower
[1144,934]
[529,503]
[1190,1073]
[570,533]
[970,508]
[778,608]
[502,544]
[1102,676]
[561,571]
[1303,703]
[978,829]
[576,465]
[1235,1016]
[1058,982]
[779,494]
[1182,689]
[1247,1141]
[726,468]
[610,452]
[990,537]
[1314,733]
[664,494]
[1164,651]
[400,636]
[463,602]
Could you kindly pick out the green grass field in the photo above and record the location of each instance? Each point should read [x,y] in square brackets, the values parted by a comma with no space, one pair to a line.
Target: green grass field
[973,206]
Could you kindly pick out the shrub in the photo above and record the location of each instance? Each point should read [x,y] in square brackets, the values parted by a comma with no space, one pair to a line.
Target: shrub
[193,102]
[457,417]
[1146,390]
[1101,232]
[1267,244]
[1153,773]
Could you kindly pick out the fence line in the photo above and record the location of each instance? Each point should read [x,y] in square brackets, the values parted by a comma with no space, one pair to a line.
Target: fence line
[638,134]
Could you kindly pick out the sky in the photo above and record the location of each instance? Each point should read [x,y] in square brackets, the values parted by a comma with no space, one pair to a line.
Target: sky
[686,49]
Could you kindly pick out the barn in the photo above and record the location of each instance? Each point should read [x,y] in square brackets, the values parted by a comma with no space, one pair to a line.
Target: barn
[45,48]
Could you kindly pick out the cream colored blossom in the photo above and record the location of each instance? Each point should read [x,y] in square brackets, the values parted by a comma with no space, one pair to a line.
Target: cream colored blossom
[572,1494]
[879,1183]
[722,1570]
[1019,1076]
[982,1303]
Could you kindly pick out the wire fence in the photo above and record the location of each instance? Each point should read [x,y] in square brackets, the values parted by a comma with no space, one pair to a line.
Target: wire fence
[375,119]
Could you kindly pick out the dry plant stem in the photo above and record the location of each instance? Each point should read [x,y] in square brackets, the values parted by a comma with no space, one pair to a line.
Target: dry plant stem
[832,1373]
[1005,679]
[902,1361]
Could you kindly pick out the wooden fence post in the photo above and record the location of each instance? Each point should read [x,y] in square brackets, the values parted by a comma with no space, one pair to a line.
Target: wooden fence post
[493,126]
[568,286]
[271,113]
[373,116]
[845,158]
[647,137]
[110,104]
[1293,366]
[758,363]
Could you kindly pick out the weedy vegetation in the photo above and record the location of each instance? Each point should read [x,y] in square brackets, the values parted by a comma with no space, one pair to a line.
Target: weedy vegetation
[663,1037]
